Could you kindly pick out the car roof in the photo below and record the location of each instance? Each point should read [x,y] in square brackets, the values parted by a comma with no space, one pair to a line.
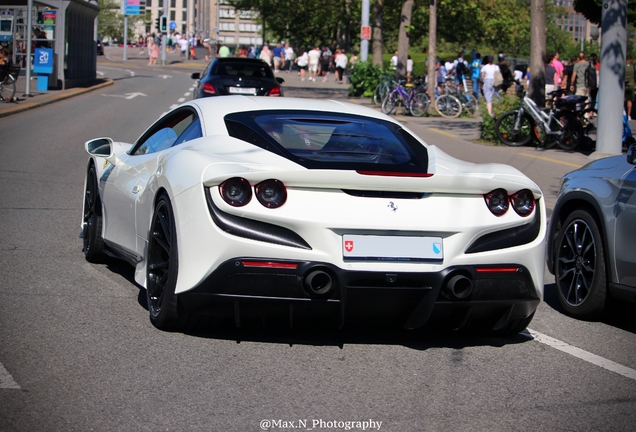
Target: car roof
[215,109]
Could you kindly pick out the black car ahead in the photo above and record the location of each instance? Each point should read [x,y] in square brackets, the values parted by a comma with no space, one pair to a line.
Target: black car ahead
[237,75]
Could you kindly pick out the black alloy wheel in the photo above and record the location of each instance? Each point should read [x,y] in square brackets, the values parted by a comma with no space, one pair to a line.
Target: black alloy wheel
[162,268]
[580,266]
[92,234]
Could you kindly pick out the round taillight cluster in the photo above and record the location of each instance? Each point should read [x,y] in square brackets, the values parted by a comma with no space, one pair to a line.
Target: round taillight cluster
[237,192]
[271,193]
[498,202]
[523,202]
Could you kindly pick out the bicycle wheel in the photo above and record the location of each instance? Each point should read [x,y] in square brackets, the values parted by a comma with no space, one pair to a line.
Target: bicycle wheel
[7,89]
[506,132]
[378,93]
[448,106]
[419,104]
[389,102]
[572,131]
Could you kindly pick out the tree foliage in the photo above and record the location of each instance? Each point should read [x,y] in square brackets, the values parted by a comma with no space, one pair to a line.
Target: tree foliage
[470,24]
[593,11]
[110,22]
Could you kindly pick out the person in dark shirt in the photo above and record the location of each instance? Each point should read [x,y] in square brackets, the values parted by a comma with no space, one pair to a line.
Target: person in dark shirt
[40,39]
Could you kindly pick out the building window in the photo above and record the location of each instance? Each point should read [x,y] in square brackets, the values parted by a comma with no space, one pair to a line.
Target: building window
[227,26]
[173,3]
[148,3]
[172,15]
[184,4]
[184,16]
[160,4]
[227,13]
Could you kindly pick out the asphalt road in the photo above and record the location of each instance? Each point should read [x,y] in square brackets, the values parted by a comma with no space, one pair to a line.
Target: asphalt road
[77,351]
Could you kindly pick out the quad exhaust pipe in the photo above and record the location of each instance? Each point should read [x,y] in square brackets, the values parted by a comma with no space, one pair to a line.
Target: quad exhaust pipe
[318,283]
[458,287]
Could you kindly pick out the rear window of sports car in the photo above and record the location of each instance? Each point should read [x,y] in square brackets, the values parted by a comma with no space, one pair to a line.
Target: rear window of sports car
[331,141]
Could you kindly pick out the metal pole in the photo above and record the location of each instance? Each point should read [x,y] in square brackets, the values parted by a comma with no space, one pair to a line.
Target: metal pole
[29,31]
[125,35]
[364,44]
[164,36]
[612,83]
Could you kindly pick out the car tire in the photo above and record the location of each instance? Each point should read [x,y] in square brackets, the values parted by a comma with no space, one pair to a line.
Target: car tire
[92,235]
[580,271]
[162,268]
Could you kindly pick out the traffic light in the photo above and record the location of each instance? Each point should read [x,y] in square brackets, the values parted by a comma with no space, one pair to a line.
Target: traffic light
[164,24]
[157,25]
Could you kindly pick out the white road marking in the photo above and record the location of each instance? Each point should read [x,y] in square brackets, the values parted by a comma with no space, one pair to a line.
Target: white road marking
[187,94]
[6,380]
[132,73]
[173,106]
[180,100]
[582,354]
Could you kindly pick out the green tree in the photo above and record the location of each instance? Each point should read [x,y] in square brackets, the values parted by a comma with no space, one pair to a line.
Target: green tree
[593,12]
[110,22]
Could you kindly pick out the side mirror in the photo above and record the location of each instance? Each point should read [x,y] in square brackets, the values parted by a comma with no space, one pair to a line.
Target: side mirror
[102,147]
[280,80]
[631,154]
[195,75]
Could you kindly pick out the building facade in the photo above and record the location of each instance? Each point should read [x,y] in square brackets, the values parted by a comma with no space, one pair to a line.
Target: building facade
[575,23]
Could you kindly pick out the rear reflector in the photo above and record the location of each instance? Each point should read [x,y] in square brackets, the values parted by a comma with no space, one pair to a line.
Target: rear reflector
[270,264]
[497,269]
[393,173]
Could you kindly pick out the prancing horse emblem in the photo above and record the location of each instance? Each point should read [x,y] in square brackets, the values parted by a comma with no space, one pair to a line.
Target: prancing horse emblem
[392,206]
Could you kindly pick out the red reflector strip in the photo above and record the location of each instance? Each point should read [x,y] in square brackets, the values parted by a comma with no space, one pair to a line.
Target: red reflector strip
[497,269]
[269,264]
[393,173]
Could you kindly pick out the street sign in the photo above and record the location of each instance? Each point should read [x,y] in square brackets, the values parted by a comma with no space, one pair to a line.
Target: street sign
[173,25]
[134,7]
[365,33]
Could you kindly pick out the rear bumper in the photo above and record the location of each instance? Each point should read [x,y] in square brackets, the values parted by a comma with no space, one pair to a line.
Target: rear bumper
[247,287]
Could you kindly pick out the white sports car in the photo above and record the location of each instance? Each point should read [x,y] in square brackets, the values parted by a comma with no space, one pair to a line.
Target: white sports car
[247,205]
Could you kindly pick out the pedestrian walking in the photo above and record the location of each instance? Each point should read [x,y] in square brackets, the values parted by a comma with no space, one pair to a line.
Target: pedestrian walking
[488,72]
[341,61]
[314,59]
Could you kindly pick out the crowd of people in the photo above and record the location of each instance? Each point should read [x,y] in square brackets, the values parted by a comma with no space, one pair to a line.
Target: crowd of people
[489,77]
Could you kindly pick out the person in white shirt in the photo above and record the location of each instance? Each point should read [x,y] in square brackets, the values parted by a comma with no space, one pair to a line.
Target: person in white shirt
[341,61]
[289,57]
[183,45]
[394,61]
[302,62]
[488,71]
[314,58]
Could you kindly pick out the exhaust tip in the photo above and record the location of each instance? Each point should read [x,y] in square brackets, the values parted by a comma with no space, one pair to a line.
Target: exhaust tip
[458,287]
[318,283]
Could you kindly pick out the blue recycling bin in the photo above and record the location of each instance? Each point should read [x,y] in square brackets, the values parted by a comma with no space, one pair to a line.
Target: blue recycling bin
[43,66]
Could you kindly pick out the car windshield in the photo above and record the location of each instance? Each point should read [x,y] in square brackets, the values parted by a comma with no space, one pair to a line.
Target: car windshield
[239,69]
[331,140]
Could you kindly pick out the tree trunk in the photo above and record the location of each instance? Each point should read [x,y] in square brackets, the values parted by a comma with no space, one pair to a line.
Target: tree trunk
[536,91]
[432,54]
[403,38]
[378,43]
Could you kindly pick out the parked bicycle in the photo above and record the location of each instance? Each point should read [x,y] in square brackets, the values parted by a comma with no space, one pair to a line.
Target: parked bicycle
[412,97]
[558,125]
[385,86]
[8,76]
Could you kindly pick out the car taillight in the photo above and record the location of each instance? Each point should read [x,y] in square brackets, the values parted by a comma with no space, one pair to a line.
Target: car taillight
[209,89]
[523,202]
[497,202]
[236,191]
[271,193]
[275,91]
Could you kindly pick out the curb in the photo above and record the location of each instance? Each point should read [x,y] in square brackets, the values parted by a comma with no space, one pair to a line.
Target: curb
[65,94]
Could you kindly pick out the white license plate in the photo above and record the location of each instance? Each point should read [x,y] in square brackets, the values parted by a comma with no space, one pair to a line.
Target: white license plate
[243,90]
[392,248]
